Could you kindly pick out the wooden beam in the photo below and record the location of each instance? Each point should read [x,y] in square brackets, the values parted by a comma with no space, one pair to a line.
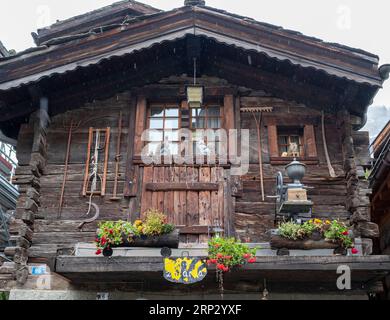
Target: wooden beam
[83,265]
[178,186]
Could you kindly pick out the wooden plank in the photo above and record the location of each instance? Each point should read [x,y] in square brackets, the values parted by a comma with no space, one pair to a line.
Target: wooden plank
[214,212]
[273,141]
[140,124]
[129,189]
[154,203]
[182,186]
[192,217]
[160,194]
[108,132]
[169,195]
[204,202]
[310,141]
[183,201]
[86,175]
[194,230]
[176,197]
[146,195]
[228,110]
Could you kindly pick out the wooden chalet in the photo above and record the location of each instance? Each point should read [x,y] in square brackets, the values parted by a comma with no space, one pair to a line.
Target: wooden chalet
[380,184]
[118,71]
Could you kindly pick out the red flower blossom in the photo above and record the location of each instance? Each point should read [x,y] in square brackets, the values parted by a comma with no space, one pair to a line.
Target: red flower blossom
[220,267]
[219,255]
[228,257]
[345,233]
[226,269]
[252,260]
[213,261]
[354,251]
[111,231]
[217,246]
[246,256]
[98,252]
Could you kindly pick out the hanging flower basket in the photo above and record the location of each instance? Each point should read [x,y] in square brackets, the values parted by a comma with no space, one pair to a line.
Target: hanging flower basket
[153,232]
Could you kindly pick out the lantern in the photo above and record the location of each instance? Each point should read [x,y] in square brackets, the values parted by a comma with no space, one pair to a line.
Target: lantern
[195,96]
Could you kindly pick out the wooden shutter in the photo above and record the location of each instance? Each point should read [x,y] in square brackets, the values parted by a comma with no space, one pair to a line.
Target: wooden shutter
[310,142]
[139,125]
[273,141]
[228,112]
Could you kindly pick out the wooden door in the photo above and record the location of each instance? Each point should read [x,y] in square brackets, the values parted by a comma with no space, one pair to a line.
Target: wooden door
[191,197]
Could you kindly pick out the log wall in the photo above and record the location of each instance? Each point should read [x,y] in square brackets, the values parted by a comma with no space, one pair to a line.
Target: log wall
[254,217]
[244,213]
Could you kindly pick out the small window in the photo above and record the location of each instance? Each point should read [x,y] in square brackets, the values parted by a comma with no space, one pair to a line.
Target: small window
[290,142]
[205,117]
[165,122]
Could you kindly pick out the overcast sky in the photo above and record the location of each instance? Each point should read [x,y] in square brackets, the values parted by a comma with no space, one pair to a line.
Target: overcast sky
[357,23]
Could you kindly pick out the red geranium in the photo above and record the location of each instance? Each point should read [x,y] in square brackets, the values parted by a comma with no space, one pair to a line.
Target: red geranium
[252,260]
[228,257]
[345,233]
[219,255]
[98,252]
[246,256]
[213,261]
[354,251]
[221,267]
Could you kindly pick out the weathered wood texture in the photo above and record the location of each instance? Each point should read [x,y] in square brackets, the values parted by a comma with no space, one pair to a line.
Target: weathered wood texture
[190,196]
[253,218]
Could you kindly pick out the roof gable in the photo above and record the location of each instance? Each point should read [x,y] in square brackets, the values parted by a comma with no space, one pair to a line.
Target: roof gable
[142,32]
[112,14]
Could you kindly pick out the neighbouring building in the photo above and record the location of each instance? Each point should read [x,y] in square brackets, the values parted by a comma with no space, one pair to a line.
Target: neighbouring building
[117,71]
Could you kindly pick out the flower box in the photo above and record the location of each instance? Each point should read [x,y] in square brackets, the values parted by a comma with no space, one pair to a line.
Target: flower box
[169,240]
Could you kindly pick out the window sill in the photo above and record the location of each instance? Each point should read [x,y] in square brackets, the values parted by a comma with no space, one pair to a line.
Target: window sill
[287,160]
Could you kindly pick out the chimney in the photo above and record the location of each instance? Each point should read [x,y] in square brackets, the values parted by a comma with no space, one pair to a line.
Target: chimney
[194,2]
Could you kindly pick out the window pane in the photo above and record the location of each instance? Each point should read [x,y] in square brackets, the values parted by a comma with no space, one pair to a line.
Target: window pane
[172,112]
[157,112]
[283,140]
[156,123]
[171,135]
[153,148]
[294,139]
[213,123]
[155,135]
[174,148]
[197,112]
[171,123]
[213,112]
[198,123]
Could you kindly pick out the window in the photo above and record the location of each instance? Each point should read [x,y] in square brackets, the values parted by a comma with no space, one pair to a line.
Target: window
[165,122]
[287,142]
[290,142]
[206,117]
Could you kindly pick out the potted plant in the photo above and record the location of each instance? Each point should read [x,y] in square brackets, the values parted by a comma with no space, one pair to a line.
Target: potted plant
[154,231]
[228,254]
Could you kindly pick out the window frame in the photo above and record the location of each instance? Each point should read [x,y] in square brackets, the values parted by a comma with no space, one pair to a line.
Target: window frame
[164,105]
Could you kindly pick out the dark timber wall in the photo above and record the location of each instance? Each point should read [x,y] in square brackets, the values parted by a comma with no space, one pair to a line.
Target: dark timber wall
[40,190]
